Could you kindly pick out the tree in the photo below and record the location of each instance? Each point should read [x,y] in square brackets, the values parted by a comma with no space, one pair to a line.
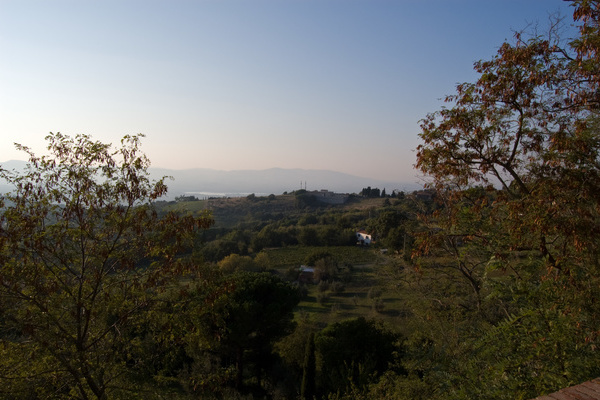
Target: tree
[519,126]
[354,352]
[386,221]
[308,236]
[515,158]
[267,237]
[292,348]
[183,198]
[245,321]
[530,125]
[536,350]
[82,254]
[262,261]
[235,262]
[308,388]
[371,192]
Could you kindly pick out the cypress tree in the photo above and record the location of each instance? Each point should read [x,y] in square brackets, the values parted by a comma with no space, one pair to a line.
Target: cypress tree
[307,390]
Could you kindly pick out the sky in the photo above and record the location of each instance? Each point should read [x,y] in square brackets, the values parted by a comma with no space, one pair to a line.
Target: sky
[247,84]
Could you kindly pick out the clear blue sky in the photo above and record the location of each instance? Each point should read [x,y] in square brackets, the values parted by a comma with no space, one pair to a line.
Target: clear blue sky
[248,84]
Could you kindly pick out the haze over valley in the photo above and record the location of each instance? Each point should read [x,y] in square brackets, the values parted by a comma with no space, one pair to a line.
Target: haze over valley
[204,182]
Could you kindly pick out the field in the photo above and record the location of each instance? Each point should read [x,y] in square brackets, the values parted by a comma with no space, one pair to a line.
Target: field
[362,291]
[364,295]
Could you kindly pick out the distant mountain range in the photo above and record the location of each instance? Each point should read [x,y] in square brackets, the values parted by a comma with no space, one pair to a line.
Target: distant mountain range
[210,182]
[269,181]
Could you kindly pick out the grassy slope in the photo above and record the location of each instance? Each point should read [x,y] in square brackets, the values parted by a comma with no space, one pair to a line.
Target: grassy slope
[354,301]
[367,275]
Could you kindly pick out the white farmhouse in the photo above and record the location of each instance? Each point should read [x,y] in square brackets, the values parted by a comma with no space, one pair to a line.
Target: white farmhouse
[363,238]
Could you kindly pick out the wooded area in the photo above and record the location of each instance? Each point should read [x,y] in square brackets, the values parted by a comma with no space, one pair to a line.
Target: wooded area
[486,289]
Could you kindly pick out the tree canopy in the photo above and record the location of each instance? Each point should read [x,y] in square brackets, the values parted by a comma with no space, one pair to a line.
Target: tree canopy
[515,158]
[82,253]
[529,124]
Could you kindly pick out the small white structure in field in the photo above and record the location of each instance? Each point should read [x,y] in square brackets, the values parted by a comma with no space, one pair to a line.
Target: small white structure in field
[363,238]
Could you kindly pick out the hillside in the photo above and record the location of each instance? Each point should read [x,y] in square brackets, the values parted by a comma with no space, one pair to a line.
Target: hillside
[229,211]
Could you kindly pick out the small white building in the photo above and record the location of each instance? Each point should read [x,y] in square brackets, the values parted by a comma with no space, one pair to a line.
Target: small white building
[363,238]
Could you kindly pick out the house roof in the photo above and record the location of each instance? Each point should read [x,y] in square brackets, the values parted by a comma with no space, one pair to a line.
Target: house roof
[589,390]
[305,268]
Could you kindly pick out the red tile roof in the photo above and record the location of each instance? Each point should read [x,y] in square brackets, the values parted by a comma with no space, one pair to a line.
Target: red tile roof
[589,390]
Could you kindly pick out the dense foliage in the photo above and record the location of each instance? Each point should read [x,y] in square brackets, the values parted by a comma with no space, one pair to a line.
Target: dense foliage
[82,253]
[484,286]
[529,250]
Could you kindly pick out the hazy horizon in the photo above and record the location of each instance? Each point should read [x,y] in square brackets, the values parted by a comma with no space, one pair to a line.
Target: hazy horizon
[208,182]
[152,167]
[247,85]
